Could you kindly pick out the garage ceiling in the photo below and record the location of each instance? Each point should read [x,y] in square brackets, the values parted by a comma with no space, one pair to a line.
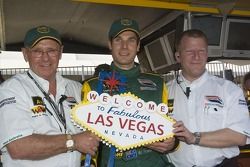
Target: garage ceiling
[84,23]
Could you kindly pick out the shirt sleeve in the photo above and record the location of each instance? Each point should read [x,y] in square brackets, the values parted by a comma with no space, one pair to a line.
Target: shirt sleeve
[165,94]
[238,115]
[15,120]
[85,89]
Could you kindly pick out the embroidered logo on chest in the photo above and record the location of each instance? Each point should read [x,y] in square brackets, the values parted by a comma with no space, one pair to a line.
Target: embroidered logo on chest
[147,84]
[39,106]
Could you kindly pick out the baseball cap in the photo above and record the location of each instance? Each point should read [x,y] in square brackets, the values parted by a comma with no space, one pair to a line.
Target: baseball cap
[121,25]
[34,35]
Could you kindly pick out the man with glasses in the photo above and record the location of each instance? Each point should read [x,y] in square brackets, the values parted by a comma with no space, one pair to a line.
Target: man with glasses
[35,125]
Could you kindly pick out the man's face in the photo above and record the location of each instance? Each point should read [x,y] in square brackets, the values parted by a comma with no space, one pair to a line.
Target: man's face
[124,48]
[193,56]
[43,58]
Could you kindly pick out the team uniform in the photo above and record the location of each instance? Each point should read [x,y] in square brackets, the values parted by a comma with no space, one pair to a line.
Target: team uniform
[147,87]
[212,104]
[23,112]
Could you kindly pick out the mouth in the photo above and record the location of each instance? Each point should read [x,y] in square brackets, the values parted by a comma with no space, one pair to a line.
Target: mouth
[45,65]
[123,53]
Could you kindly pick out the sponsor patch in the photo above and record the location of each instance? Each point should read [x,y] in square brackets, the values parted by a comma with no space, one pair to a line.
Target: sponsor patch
[129,155]
[242,102]
[39,106]
[147,84]
[72,101]
[213,101]
[12,139]
[6,101]
[170,106]
[38,109]
[37,100]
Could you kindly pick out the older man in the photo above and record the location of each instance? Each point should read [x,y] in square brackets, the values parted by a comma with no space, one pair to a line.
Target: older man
[35,126]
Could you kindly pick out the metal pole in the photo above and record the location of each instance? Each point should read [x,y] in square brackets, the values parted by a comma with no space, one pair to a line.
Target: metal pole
[2,27]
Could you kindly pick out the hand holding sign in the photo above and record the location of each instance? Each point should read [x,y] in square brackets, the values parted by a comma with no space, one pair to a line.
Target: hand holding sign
[87,142]
[124,121]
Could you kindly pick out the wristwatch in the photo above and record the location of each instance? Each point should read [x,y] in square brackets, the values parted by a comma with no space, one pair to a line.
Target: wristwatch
[70,143]
[197,136]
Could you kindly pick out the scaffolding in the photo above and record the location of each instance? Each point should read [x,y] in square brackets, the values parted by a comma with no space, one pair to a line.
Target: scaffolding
[229,71]
[76,72]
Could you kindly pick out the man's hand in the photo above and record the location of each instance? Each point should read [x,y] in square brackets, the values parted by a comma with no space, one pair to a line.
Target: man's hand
[182,133]
[163,146]
[86,142]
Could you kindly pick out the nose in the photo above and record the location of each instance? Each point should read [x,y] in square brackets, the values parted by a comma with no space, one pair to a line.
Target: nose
[196,55]
[124,44]
[45,55]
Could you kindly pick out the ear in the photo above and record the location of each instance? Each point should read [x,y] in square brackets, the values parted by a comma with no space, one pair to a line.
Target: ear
[138,46]
[25,55]
[110,45]
[177,56]
[61,52]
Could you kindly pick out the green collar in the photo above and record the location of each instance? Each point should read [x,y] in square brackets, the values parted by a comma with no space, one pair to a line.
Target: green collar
[133,72]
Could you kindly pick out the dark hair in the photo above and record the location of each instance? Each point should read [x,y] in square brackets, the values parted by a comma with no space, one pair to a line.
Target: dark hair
[1,77]
[195,33]
[245,78]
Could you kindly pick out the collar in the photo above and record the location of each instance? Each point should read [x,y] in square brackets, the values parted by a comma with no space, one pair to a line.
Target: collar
[133,72]
[196,82]
[60,82]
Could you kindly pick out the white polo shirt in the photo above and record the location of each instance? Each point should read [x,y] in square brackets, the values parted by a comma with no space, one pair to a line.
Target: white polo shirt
[213,104]
[22,113]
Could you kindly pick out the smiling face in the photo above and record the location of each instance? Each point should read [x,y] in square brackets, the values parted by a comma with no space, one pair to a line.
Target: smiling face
[124,48]
[43,58]
[192,55]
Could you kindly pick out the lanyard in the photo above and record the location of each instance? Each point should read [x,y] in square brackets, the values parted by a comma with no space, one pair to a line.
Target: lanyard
[60,114]
[187,92]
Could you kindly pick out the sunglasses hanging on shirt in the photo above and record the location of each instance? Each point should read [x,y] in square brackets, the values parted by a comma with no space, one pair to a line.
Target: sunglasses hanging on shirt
[60,114]
[188,91]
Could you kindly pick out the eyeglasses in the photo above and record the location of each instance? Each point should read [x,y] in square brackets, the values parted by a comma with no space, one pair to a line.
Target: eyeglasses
[39,53]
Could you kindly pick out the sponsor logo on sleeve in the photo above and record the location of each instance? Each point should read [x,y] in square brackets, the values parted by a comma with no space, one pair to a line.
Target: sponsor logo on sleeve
[242,102]
[12,139]
[9,100]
